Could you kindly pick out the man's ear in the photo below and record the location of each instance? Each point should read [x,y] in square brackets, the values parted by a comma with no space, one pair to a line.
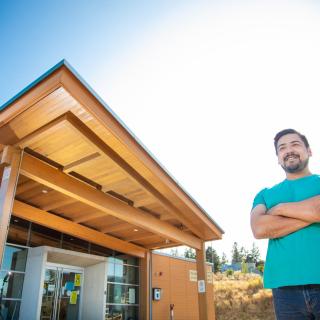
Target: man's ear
[309,152]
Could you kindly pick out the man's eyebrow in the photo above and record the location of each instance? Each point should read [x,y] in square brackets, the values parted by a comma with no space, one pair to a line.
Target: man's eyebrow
[291,142]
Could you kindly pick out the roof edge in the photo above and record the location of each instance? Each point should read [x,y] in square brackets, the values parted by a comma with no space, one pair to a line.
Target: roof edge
[65,63]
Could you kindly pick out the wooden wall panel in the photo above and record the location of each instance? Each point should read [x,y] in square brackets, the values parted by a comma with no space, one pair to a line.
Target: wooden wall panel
[172,276]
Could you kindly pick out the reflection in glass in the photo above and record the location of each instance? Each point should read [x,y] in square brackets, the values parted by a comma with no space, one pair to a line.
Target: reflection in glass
[122,294]
[11,284]
[123,274]
[18,231]
[9,310]
[42,236]
[15,258]
[122,312]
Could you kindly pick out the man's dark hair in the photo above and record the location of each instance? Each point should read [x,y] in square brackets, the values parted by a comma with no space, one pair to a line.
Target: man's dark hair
[289,131]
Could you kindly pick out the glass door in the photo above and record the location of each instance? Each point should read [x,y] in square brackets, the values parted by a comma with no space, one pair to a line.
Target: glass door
[61,293]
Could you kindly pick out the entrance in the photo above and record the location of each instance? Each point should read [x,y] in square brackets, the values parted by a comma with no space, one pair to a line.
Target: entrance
[61,293]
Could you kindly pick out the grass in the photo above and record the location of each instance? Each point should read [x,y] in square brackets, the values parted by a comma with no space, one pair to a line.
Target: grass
[242,297]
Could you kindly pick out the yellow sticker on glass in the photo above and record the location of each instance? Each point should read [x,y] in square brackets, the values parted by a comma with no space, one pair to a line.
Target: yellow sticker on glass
[73,297]
[77,280]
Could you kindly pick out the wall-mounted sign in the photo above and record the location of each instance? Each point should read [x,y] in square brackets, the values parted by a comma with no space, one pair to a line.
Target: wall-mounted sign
[193,276]
[201,286]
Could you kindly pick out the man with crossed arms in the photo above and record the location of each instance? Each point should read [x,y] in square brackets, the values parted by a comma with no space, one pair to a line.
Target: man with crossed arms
[288,214]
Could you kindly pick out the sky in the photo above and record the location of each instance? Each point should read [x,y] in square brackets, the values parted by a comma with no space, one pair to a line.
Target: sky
[205,85]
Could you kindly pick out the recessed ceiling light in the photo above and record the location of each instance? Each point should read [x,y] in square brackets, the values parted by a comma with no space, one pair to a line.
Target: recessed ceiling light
[135,230]
[16,220]
[167,241]
[44,191]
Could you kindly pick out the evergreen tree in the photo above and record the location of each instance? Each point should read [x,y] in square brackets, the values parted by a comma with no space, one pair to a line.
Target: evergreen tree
[224,259]
[235,254]
[212,256]
[190,253]
[255,253]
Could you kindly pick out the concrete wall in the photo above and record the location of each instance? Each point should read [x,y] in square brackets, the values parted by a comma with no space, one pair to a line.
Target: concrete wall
[93,294]
[33,283]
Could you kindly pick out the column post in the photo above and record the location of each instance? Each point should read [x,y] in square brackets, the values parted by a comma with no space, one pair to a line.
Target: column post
[203,294]
[145,284]
[10,164]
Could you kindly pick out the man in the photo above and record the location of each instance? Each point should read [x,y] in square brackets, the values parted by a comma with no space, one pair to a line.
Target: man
[288,214]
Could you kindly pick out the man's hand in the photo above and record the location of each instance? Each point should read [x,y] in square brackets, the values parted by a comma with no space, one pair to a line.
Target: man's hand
[267,226]
[307,210]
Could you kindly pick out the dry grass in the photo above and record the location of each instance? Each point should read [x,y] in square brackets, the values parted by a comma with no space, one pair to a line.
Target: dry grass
[242,297]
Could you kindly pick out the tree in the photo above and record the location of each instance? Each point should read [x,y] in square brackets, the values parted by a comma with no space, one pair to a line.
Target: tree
[190,253]
[235,254]
[212,256]
[255,253]
[224,259]
[243,254]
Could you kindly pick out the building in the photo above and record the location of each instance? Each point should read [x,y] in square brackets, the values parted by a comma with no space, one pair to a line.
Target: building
[82,206]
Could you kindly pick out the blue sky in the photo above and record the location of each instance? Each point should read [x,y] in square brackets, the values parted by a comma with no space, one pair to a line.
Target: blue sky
[205,85]
[35,35]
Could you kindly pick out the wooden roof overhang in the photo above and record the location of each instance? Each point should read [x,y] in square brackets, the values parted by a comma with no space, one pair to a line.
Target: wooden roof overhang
[83,172]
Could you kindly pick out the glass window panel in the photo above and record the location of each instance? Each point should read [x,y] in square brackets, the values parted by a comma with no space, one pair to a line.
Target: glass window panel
[15,258]
[123,273]
[100,251]
[114,312]
[42,236]
[18,231]
[74,244]
[11,284]
[122,294]
[9,310]
[125,259]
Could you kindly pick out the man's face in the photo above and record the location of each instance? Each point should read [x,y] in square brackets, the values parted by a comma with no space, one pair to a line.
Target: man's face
[293,155]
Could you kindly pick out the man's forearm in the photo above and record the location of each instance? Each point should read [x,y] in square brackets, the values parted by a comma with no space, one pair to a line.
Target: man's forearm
[307,210]
[270,227]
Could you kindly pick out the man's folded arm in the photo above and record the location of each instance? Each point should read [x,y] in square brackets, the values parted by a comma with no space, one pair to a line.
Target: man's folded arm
[266,226]
[307,210]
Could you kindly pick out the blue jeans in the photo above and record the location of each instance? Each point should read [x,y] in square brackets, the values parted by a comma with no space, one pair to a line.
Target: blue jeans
[297,302]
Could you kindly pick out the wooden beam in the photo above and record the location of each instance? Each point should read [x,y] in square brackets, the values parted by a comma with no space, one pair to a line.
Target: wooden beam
[187,207]
[12,158]
[139,236]
[58,204]
[43,173]
[76,164]
[89,216]
[162,245]
[91,138]
[26,186]
[49,220]
[116,227]
[74,123]
[145,286]
[38,92]
[203,297]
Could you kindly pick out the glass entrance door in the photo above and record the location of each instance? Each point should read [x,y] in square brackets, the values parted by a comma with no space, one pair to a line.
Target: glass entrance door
[61,293]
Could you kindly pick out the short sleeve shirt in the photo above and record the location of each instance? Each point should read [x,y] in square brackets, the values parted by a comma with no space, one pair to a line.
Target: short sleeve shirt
[295,258]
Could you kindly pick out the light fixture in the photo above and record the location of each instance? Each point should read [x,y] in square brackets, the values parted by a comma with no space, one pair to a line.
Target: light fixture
[167,241]
[44,191]
[135,230]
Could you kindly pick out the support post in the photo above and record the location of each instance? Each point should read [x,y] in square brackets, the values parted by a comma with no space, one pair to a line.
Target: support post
[203,293]
[145,284]
[10,161]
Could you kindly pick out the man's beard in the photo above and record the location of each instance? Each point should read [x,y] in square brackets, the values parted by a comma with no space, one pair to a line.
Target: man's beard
[296,167]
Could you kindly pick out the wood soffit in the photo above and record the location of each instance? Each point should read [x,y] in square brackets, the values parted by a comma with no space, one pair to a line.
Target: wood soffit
[176,206]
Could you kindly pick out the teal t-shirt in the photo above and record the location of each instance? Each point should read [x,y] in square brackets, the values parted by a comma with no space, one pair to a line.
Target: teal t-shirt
[293,259]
